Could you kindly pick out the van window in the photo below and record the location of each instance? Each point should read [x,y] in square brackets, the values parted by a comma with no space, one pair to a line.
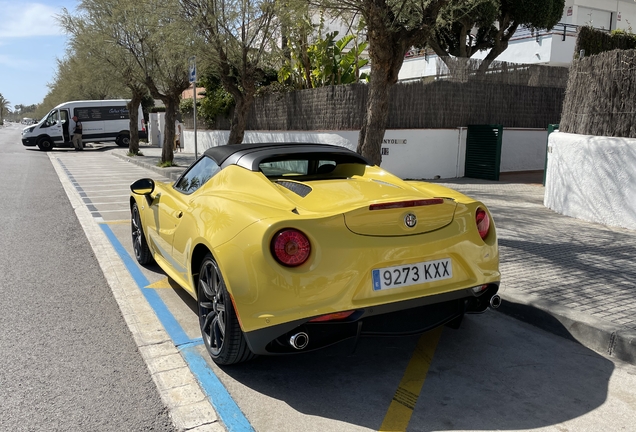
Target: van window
[102,113]
[51,119]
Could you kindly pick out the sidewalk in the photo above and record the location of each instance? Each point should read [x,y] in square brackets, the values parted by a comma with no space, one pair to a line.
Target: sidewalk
[572,278]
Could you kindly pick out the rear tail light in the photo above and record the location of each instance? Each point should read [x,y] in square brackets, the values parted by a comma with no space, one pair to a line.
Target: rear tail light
[333,316]
[483,223]
[290,247]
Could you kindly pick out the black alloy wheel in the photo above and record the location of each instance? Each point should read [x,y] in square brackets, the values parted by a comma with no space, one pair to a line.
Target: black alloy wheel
[140,246]
[220,329]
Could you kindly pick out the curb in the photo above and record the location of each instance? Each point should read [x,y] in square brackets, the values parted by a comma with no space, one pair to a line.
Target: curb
[172,173]
[594,333]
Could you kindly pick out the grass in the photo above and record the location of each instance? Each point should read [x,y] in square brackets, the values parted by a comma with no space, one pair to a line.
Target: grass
[167,164]
[131,154]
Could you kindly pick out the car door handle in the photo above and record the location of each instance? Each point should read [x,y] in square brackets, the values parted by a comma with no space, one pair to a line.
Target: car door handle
[179,214]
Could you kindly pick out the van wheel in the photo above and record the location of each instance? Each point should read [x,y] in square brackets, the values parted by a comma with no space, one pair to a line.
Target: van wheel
[45,144]
[123,140]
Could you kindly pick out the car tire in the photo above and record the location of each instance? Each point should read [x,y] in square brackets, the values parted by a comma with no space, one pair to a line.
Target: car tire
[140,246]
[45,144]
[123,140]
[220,329]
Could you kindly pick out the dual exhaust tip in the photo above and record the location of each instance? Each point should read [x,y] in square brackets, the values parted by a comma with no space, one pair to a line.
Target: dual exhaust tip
[299,340]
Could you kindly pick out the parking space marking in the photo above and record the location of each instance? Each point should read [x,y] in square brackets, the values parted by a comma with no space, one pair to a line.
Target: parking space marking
[226,408]
[116,222]
[170,324]
[161,284]
[221,400]
[401,409]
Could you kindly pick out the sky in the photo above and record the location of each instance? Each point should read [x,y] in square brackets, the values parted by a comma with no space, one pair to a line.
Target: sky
[30,42]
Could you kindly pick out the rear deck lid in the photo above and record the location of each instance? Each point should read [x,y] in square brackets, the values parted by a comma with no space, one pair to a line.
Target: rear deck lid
[373,207]
[402,217]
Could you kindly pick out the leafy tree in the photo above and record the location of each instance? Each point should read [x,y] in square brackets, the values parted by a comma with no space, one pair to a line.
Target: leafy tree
[80,76]
[241,37]
[215,102]
[331,62]
[393,27]
[4,107]
[91,41]
[495,22]
[159,43]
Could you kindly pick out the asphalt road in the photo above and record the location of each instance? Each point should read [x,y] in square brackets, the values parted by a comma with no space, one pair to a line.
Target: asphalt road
[69,362]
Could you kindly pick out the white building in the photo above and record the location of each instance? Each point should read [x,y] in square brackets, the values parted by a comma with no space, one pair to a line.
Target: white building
[554,47]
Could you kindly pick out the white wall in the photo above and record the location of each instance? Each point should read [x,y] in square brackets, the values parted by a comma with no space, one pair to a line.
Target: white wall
[155,128]
[592,178]
[408,153]
[523,149]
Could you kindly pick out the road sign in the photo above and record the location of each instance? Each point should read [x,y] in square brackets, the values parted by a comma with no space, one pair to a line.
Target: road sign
[192,68]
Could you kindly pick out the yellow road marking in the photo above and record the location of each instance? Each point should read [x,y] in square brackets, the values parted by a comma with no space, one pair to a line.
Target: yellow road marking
[163,283]
[116,222]
[399,413]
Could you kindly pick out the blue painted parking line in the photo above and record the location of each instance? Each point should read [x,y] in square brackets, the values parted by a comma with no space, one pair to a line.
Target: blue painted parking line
[173,328]
[229,412]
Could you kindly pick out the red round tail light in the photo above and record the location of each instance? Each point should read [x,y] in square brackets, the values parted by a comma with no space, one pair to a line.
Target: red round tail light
[483,223]
[290,247]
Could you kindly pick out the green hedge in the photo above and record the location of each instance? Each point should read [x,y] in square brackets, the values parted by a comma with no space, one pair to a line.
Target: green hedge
[595,41]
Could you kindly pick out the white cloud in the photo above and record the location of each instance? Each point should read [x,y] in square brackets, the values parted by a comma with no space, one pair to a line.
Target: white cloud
[28,19]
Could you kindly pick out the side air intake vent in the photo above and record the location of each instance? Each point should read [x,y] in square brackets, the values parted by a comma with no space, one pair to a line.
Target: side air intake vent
[298,188]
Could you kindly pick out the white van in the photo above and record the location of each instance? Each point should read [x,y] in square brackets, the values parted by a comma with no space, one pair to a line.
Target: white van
[102,121]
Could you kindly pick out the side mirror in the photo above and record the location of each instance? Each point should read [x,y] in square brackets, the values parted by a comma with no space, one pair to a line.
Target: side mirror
[143,186]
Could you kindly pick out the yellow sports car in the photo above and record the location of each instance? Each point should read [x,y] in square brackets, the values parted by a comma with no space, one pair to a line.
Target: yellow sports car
[293,247]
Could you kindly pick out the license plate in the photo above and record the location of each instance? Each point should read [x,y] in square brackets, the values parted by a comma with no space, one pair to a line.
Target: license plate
[411,274]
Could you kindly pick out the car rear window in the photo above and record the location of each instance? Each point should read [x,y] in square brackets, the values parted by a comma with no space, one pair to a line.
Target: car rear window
[296,167]
[315,167]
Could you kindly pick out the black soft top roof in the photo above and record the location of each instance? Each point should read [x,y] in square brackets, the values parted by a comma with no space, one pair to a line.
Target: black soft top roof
[250,155]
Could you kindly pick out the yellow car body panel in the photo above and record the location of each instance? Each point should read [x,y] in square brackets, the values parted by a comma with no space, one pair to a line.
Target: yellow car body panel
[337,275]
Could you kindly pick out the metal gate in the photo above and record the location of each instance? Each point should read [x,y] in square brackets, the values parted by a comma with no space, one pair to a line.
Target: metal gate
[483,151]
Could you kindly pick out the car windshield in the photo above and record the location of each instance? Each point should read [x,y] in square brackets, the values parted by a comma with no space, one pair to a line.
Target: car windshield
[197,175]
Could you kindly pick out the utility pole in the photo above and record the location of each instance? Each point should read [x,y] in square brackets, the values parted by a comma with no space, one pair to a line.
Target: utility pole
[193,79]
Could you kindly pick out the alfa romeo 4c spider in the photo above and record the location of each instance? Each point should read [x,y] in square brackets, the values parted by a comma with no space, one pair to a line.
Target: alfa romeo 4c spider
[292,247]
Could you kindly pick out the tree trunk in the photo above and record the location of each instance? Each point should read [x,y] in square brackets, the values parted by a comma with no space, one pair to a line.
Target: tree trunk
[374,124]
[387,49]
[239,118]
[167,152]
[133,110]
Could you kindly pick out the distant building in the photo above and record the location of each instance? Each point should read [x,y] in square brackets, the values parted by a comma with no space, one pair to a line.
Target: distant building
[553,48]
[187,94]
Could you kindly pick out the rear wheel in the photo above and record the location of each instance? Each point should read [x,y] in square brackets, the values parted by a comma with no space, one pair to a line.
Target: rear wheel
[220,329]
[45,144]
[140,246]
[123,140]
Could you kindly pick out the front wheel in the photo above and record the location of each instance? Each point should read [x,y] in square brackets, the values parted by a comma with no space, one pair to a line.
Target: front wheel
[140,246]
[221,332]
[45,144]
